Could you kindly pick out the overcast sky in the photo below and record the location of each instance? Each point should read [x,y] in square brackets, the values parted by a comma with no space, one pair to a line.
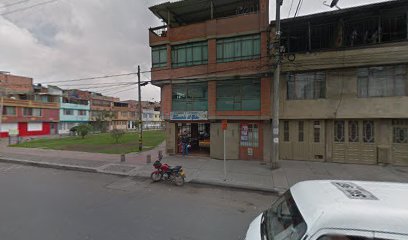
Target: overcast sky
[70,39]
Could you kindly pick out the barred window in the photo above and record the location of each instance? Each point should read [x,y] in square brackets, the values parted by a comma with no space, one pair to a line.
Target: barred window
[339,131]
[238,48]
[368,132]
[316,131]
[353,131]
[249,135]
[189,54]
[400,133]
[301,131]
[286,131]
[382,81]
[306,86]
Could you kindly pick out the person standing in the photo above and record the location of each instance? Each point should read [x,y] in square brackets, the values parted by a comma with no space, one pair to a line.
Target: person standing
[185,141]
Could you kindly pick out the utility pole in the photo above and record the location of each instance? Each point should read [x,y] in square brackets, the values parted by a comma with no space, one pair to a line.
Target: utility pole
[276,87]
[140,110]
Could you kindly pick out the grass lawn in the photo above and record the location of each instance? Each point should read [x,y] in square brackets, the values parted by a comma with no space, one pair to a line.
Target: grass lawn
[99,143]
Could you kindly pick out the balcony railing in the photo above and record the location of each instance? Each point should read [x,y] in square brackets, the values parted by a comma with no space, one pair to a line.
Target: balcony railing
[160,31]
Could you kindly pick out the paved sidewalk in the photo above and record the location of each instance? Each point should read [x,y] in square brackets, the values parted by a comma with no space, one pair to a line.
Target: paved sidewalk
[240,174]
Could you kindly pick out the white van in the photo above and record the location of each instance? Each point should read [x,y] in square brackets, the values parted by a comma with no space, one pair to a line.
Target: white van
[336,210]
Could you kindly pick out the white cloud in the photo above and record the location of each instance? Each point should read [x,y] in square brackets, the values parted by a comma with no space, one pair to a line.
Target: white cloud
[76,38]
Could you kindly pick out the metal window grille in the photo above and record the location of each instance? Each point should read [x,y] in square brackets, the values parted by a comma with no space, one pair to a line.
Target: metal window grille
[368,132]
[339,131]
[353,131]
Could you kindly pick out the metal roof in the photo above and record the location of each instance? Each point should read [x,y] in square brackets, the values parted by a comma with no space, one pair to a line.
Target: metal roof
[352,10]
[192,11]
[370,206]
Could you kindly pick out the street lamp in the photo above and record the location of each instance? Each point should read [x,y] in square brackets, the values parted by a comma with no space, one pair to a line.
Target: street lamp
[332,4]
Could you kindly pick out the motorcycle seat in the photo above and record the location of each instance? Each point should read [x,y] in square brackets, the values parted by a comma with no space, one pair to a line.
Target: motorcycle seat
[176,168]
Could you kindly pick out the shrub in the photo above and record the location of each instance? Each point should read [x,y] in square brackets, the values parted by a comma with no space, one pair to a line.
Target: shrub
[83,130]
[117,134]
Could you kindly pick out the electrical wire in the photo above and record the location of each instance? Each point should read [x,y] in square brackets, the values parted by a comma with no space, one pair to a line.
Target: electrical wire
[290,10]
[298,8]
[27,8]
[15,3]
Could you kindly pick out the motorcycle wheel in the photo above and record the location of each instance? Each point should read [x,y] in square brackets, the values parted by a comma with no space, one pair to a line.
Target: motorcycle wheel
[179,180]
[155,176]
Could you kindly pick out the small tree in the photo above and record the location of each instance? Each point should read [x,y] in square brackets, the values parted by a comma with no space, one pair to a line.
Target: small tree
[117,134]
[83,130]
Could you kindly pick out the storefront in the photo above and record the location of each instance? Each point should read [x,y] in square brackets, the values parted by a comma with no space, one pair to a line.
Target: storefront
[195,126]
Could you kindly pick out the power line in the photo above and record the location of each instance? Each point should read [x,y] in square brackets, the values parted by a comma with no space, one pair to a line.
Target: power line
[298,8]
[27,8]
[290,10]
[15,3]
[97,77]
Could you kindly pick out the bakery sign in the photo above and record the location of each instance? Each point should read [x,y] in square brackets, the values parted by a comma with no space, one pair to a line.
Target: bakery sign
[189,116]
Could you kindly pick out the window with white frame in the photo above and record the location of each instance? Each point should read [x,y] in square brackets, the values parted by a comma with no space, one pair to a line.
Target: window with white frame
[382,81]
[311,85]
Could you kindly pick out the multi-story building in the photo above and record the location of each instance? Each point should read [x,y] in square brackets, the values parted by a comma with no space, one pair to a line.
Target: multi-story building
[73,112]
[344,88]
[133,114]
[122,116]
[344,95]
[27,110]
[211,62]
[151,119]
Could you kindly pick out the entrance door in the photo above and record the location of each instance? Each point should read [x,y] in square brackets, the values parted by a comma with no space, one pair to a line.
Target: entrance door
[53,128]
[250,144]
[400,142]
[354,142]
[199,135]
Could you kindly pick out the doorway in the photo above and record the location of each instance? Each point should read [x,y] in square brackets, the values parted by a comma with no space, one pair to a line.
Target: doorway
[199,137]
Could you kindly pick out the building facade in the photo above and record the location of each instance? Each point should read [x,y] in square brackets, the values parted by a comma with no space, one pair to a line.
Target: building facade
[73,112]
[344,94]
[151,119]
[27,110]
[344,89]
[209,61]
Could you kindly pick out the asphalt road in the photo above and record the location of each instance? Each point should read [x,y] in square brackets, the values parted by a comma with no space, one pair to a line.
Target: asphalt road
[48,204]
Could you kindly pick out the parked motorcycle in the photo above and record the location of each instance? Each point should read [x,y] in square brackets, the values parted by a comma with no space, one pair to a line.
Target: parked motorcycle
[165,172]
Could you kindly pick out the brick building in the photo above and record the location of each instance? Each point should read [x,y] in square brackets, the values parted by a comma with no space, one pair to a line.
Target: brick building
[211,65]
[27,110]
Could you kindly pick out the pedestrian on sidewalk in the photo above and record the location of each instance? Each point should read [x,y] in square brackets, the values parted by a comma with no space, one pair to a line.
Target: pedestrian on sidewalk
[185,142]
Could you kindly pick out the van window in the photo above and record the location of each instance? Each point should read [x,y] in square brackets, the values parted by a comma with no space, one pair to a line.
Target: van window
[284,220]
[346,237]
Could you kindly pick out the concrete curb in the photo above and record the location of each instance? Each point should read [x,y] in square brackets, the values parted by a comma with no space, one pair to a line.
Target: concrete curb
[277,191]
[48,165]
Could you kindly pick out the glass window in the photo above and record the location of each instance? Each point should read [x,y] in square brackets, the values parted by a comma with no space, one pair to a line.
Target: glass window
[353,131]
[316,131]
[382,81]
[189,54]
[68,112]
[306,86]
[34,112]
[286,135]
[190,97]
[283,220]
[344,237]
[339,131]
[9,111]
[240,95]
[301,131]
[81,112]
[368,132]
[238,48]
[159,56]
